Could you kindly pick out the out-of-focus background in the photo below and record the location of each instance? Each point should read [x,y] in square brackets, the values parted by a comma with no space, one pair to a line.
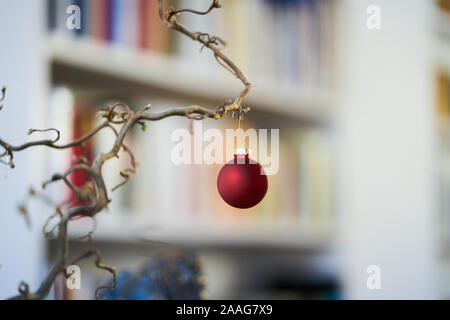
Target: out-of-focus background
[364,119]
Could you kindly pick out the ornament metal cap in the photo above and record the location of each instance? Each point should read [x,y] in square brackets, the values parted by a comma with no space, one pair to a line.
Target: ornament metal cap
[242,151]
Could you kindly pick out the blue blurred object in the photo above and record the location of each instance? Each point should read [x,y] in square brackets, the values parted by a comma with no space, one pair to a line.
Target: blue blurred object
[173,275]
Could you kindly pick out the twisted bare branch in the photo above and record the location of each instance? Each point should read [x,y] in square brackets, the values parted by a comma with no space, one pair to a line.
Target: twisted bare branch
[169,18]
[98,263]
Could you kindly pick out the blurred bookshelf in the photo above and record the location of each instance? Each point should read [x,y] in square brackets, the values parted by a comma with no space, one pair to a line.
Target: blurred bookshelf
[124,53]
[364,136]
[295,62]
[181,201]
[130,55]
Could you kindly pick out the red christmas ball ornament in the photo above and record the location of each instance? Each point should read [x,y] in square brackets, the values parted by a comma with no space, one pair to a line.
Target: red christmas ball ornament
[242,182]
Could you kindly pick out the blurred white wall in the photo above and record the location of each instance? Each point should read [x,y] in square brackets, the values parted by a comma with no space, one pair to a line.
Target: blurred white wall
[387,149]
[22,71]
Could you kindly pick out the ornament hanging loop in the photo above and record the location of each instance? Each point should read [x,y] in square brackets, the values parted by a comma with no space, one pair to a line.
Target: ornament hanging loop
[241,139]
[241,111]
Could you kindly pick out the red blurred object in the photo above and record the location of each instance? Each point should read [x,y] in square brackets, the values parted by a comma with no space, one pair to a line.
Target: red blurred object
[82,124]
[242,182]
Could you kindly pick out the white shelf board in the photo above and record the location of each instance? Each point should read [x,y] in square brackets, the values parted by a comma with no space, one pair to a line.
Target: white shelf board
[126,229]
[180,76]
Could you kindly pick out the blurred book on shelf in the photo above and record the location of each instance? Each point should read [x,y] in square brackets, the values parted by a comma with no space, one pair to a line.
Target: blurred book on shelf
[444,5]
[283,40]
[129,23]
[443,96]
[74,118]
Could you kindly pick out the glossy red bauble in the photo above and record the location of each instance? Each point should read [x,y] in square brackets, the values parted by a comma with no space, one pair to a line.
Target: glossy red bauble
[242,182]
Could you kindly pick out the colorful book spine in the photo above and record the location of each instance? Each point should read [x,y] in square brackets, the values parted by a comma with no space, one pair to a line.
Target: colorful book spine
[144,24]
[159,37]
[52,15]
[109,20]
[99,12]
